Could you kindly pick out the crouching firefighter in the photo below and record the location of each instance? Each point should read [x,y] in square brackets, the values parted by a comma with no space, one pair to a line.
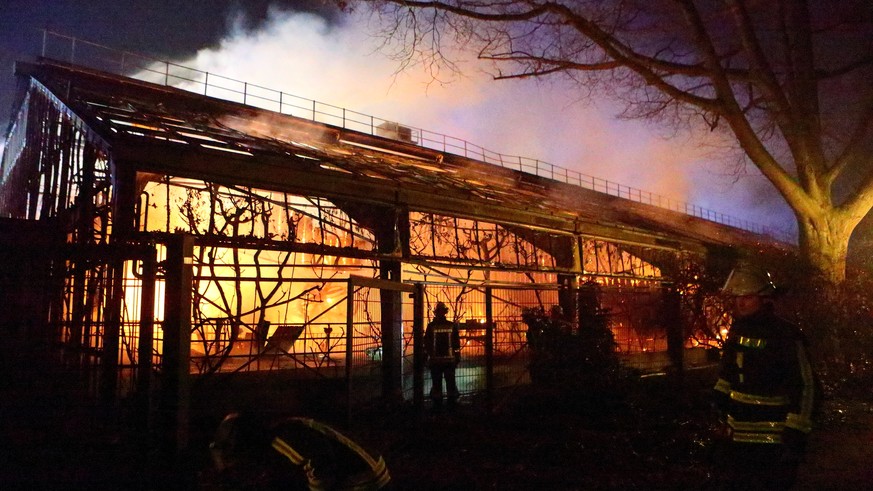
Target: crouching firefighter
[766,390]
[295,453]
[442,344]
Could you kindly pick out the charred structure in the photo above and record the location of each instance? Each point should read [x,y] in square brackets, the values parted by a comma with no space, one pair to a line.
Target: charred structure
[193,252]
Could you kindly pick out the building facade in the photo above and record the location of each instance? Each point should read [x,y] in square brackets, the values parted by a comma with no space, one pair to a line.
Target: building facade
[195,248]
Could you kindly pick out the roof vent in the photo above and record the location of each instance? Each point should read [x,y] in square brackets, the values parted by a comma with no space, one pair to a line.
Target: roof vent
[395,131]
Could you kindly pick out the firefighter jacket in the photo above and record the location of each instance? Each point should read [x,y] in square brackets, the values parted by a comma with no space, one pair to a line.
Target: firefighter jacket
[442,343]
[766,387]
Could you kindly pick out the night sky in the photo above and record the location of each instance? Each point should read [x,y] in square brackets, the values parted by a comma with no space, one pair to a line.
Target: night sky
[312,50]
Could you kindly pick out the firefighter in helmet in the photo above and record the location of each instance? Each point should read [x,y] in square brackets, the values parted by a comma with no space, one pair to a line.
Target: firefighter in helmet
[766,388]
[442,344]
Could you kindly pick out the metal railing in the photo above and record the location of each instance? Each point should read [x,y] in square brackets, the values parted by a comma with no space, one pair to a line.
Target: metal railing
[154,70]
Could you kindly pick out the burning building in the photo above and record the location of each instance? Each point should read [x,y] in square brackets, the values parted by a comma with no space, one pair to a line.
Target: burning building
[183,239]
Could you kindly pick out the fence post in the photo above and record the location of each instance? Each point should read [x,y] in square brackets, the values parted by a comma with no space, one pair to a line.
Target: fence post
[350,331]
[418,347]
[144,383]
[175,386]
[489,348]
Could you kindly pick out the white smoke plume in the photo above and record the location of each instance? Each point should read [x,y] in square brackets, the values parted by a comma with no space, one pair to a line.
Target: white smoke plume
[303,55]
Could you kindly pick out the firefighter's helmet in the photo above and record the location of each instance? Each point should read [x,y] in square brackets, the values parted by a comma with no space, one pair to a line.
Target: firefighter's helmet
[749,280]
[440,309]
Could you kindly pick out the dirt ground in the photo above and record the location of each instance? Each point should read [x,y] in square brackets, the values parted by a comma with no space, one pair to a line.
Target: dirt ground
[658,438]
[840,452]
[665,442]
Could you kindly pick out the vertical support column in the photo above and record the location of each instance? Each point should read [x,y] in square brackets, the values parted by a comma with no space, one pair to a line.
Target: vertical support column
[568,293]
[418,346]
[146,339]
[176,391]
[124,200]
[392,236]
[85,199]
[350,343]
[112,330]
[672,316]
[72,355]
[489,347]
[392,335]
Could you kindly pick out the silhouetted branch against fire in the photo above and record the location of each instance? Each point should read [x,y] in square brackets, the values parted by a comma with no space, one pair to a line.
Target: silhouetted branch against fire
[788,82]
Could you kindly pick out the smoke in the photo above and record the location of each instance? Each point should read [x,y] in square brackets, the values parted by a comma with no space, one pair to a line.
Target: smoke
[339,64]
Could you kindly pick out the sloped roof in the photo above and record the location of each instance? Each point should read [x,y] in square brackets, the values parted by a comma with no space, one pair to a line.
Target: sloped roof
[165,130]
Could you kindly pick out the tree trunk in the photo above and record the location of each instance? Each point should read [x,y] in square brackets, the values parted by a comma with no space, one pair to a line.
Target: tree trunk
[824,244]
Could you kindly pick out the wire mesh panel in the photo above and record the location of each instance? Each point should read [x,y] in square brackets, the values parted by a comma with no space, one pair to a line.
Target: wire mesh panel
[373,370]
[510,332]
[82,324]
[263,324]
[469,308]
[365,346]
[466,308]
[100,321]
[638,321]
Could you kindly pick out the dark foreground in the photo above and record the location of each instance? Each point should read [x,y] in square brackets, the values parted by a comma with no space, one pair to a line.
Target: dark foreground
[657,438]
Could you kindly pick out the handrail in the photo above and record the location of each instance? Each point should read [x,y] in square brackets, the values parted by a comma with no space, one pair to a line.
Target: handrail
[150,69]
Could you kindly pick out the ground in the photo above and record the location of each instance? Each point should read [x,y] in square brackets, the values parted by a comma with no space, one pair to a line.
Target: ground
[539,441]
[527,438]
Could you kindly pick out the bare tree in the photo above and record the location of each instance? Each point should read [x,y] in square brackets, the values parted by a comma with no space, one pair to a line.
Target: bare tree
[790,80]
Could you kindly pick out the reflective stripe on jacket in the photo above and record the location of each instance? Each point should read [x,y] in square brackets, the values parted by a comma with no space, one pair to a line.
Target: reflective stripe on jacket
[442,341]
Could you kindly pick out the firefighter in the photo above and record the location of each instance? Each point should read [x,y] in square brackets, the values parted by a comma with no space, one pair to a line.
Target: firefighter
[295,453]
[442,344]
[766,389]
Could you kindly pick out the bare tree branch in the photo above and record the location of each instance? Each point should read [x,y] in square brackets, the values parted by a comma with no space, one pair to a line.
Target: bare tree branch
[789,78]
